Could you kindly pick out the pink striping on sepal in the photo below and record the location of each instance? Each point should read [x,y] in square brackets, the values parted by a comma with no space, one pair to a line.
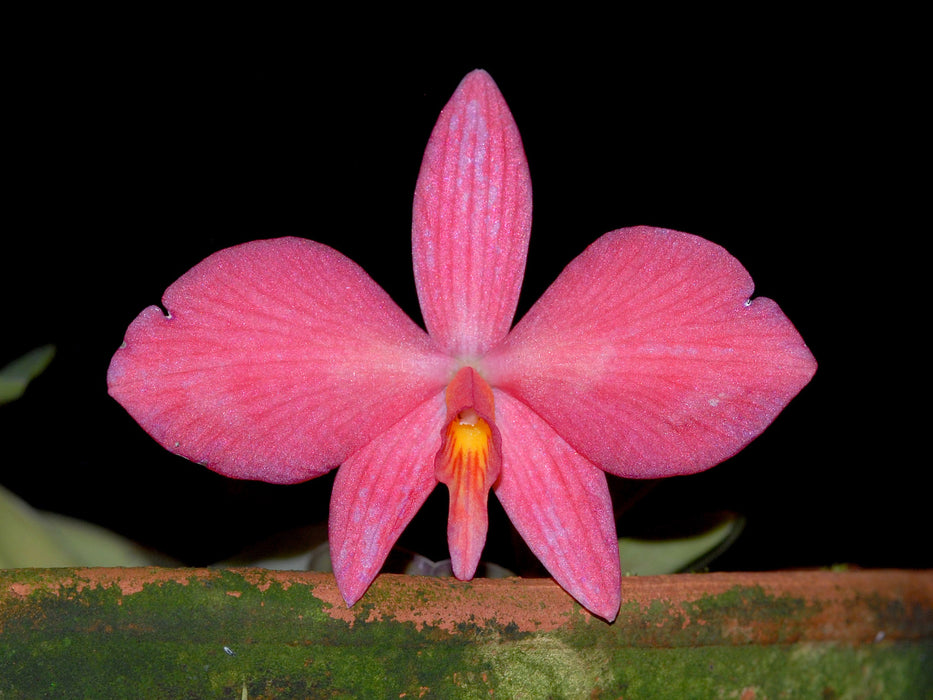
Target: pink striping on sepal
[471,220]
[649,358]
[279,359]
[559,502]
[377,492]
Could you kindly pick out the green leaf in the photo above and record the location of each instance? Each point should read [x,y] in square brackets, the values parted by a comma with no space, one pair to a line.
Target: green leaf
[32,538]
[689,552]
[15,377]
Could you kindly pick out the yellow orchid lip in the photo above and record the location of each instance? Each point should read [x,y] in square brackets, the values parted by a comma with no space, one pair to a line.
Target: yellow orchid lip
[468,438]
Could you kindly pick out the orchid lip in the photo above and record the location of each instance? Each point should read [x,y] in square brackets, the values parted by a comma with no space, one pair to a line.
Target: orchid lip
[468,463]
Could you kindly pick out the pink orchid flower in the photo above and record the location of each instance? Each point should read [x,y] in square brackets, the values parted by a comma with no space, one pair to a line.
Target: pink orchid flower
[281,359]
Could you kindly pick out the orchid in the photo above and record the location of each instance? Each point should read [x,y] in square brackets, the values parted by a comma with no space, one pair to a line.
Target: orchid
[281,359]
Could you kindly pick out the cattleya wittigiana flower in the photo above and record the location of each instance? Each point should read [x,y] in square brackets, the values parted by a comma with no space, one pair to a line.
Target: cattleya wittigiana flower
[281,359]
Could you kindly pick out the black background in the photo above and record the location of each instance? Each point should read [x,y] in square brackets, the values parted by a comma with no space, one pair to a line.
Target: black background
[137,154]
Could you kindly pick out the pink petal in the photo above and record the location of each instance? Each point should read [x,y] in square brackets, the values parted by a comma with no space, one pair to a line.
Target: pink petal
[647,356]
[377,492]
[471,220]
[279,359]
[559,503]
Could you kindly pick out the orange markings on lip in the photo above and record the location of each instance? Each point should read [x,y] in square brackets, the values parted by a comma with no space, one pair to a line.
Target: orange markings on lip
[465,454]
